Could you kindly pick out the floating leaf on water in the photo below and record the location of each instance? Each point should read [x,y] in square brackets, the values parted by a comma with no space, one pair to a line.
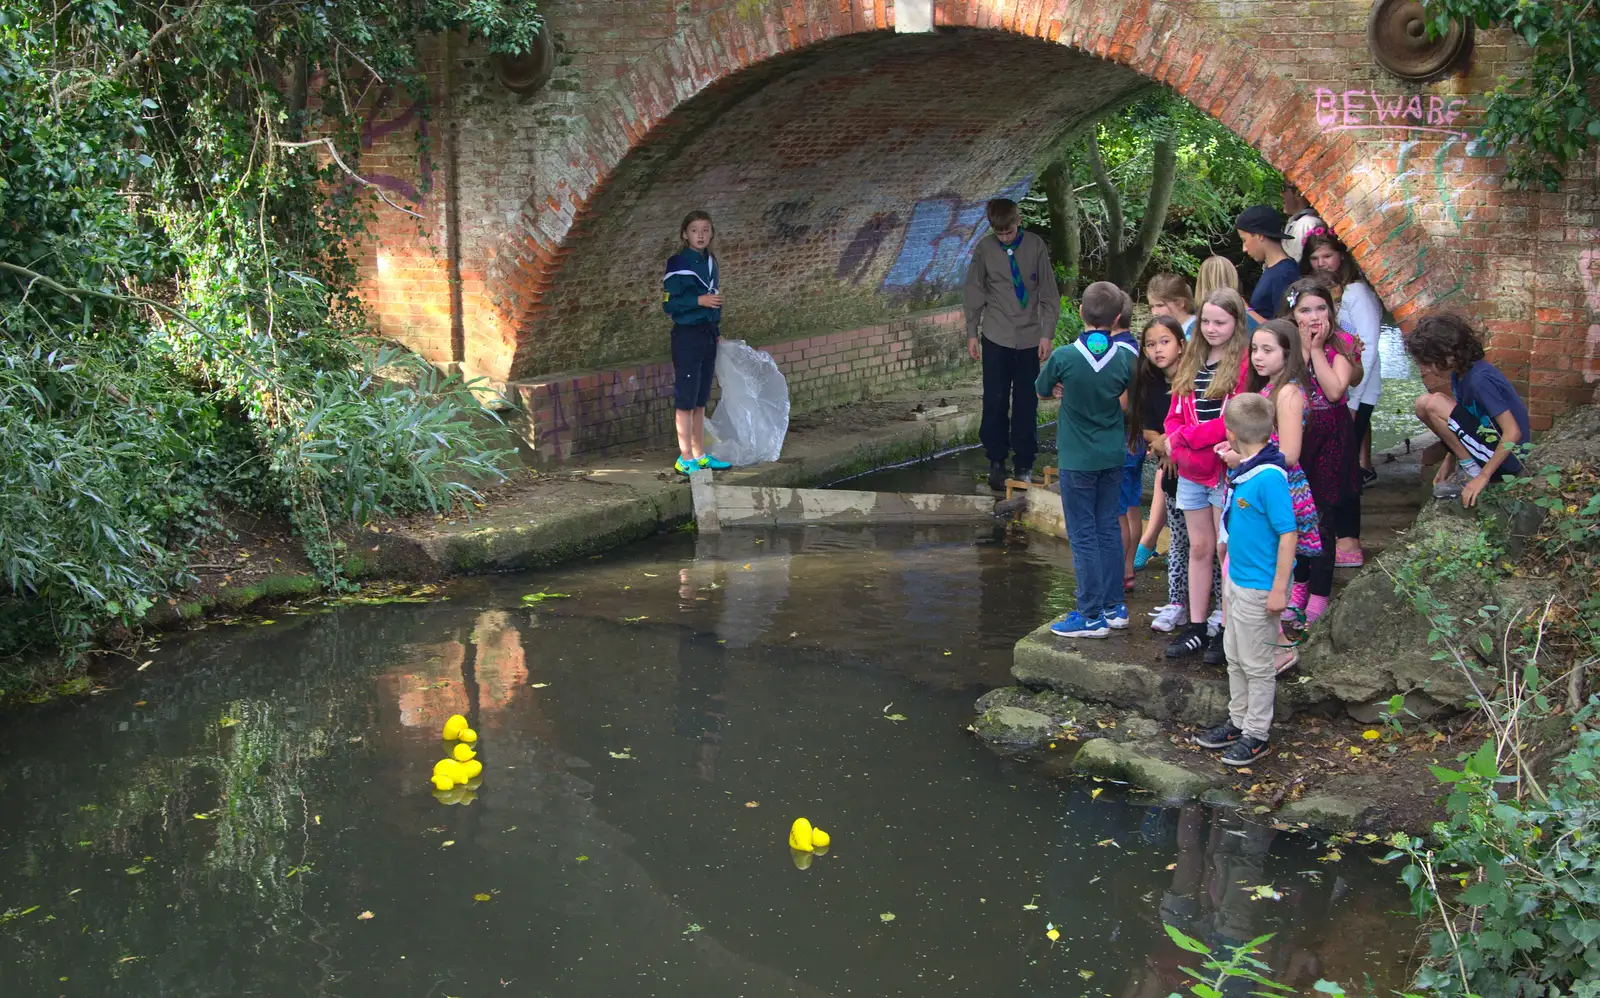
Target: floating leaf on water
[447,843]
[480,897]
[887,916]
[364,916]
[1085,974]
[198,816]
[228,722]
[620,755]
[1096,792]
[145,665]
[751,803]
[6,916]
[1265,892]
[1333,856]
[1172,866]
[134,871]
[539,686]
[539,597]
[583,859]
[634,620]
[650,575]
[693,928]
[1108,842]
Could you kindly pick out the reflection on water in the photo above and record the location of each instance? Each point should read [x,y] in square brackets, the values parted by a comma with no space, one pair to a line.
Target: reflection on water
[222,824]
[1394,419]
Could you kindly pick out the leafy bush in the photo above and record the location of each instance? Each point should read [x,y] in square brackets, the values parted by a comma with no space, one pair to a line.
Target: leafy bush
[178,327]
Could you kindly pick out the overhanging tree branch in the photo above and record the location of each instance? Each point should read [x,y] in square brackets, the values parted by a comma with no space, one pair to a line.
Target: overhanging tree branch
[363,181]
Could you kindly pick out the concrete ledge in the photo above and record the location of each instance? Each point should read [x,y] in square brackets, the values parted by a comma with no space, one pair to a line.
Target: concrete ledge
[602,505]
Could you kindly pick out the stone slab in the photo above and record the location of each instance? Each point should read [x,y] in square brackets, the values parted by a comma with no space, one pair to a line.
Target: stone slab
[766,506]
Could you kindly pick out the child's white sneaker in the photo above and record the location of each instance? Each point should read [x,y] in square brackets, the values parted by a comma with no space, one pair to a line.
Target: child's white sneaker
[1167,618]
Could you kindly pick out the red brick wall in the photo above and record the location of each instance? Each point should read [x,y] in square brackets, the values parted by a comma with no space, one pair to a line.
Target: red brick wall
[803,124]
[624,409]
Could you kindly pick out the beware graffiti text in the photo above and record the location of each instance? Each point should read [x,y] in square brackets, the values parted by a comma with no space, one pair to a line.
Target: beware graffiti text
[1352,110]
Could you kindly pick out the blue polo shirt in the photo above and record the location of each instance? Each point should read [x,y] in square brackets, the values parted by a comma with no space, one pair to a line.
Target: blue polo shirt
[1260,510]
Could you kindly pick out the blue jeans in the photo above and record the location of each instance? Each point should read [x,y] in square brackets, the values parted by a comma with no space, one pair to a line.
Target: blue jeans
[1089,501]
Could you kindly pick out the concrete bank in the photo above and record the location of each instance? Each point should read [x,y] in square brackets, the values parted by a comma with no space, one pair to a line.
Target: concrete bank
[592,506]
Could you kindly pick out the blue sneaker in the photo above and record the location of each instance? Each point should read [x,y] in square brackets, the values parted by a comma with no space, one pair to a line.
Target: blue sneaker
[683,467]
[1117,617]
[1141,557]
[714,464]
[1076,625]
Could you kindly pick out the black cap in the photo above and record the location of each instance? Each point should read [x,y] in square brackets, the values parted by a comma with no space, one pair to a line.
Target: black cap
[1262,219]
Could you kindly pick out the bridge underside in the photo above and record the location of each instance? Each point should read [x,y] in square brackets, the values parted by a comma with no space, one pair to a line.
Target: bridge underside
[847,183]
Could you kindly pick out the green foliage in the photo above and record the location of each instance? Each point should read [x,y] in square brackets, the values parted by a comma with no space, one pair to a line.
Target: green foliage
[1218,175]
[178,328]
[1239,964]
[1545,119]
[1513,883]
[1512,880]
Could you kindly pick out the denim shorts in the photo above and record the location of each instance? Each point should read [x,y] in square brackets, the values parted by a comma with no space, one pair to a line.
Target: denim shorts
[1132,485]
[1193,495]
[694,363]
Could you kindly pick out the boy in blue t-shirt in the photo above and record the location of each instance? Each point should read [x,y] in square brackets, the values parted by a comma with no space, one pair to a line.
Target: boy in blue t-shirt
[1091,445]
[1479,420]
[1255,586]
[1261,231]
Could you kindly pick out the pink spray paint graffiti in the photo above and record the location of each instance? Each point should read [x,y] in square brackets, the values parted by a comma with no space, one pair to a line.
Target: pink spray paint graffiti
[1588,261]
[1369,110]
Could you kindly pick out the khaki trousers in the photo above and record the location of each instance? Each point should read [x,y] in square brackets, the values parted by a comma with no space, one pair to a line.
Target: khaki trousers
[1250,642]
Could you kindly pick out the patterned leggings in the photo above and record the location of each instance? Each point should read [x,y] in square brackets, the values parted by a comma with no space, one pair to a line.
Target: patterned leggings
[1178,560]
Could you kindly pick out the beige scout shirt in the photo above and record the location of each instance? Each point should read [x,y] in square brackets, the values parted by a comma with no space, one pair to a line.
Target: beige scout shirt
[991,299]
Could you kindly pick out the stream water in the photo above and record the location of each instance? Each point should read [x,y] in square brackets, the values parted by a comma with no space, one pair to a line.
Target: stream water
[250,814]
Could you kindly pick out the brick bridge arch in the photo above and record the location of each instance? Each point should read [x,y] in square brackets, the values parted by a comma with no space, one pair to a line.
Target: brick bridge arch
[549,259]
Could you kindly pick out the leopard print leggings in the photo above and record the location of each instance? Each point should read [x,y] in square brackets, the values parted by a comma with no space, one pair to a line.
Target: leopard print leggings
[1178,560]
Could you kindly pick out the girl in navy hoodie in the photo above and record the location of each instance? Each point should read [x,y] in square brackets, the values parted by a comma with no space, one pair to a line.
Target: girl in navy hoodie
[691,297]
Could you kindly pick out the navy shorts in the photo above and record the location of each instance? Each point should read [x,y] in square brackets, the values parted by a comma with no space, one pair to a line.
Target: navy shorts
[694,362]
[1132,484]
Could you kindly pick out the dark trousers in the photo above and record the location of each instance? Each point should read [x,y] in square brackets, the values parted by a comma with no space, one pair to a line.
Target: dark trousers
[1089,504]
[1010,404]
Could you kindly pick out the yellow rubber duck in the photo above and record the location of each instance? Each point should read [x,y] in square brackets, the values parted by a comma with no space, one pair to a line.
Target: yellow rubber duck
[819,838]
[468,736]
[470,769]
[443,782]
[463,753]
[453,727]
[800,835]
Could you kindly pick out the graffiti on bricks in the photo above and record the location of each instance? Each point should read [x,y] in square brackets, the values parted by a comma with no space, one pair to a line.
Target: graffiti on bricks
[1369,110]
[785,219]
[938,240]
[1430,196]
[856,261]
[617,409]
[1588,261]
[373,129]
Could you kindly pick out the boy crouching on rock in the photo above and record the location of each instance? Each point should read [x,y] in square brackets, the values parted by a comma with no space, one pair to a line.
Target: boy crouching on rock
[1261,539]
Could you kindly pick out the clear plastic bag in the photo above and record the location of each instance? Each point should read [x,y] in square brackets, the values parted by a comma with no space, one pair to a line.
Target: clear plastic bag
[752,418]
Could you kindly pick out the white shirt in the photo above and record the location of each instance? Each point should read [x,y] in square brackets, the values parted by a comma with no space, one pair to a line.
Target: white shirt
[1361,313]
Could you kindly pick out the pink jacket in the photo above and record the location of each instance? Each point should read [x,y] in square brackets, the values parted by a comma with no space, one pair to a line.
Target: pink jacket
[1193,443]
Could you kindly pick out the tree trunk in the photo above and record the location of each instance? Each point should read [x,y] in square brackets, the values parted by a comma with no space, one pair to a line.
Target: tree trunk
[1109,195]
[1164,173]
[1066,241]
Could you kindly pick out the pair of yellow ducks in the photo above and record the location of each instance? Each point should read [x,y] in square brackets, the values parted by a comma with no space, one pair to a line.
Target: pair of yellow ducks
[457,775]
[806,841]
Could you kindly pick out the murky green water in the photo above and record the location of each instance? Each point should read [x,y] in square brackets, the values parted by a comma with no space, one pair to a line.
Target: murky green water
[221,823]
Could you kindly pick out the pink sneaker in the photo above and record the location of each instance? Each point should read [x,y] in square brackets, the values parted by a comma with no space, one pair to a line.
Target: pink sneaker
[1349,559]
[1299,593]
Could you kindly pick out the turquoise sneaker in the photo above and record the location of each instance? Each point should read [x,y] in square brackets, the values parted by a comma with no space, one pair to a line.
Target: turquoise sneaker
[683,467]
[714,464]
[1141,558]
